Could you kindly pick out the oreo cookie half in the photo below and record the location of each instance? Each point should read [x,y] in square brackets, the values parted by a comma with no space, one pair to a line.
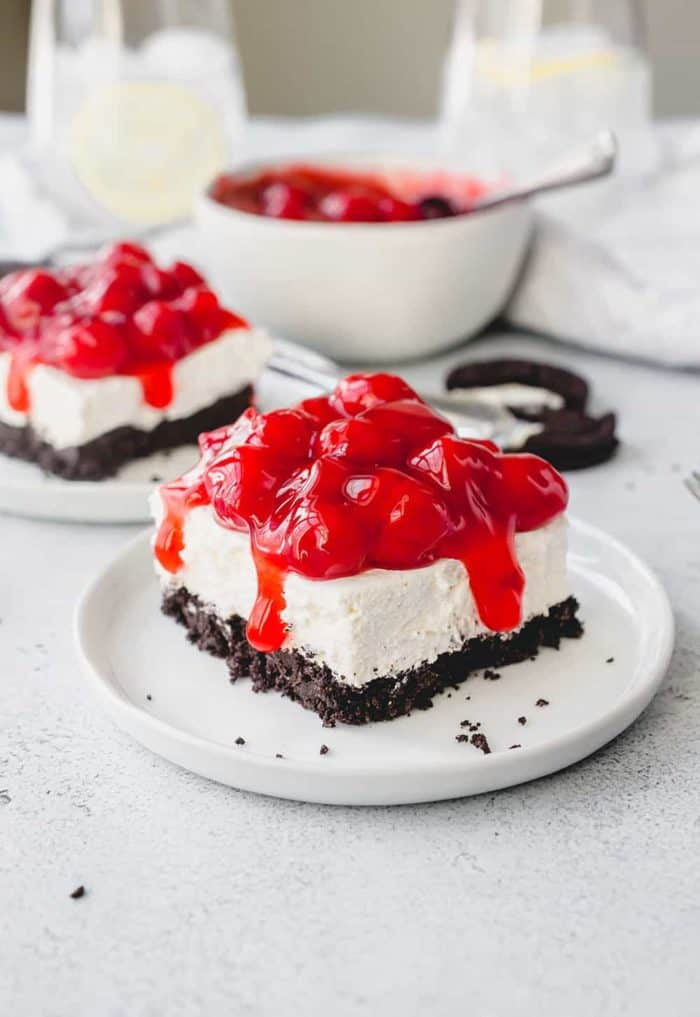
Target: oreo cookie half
[552,396]
[571,440]
[571,389]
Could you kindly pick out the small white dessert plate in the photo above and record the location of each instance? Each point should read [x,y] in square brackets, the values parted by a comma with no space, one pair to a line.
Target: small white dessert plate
[178,702]
[26,490]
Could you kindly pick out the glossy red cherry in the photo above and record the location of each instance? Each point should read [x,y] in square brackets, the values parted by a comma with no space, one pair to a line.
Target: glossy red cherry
[284,201]
[454,464]
[538,491]
[87,349]
[203,310]
[160,284]
[241,484]
[347,206]
[323,478]
[319,409]
[396,210]
[288,432]
[116,288]
[124,253]
[413,423]
[323,542]
[186,275]
[360,442]
[159,332]
[28,295]
[410,520]
[360,392]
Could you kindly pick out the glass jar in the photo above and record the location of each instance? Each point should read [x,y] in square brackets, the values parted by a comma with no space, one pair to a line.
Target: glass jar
[133,106]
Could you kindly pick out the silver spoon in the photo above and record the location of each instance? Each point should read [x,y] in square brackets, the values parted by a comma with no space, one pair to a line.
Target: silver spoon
[589,162]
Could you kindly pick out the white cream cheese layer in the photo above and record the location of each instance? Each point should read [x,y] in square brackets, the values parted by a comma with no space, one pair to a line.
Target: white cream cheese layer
[67,411]
[377,623]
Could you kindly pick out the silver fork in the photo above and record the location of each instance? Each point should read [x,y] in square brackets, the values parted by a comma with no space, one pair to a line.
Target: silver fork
[693,483]
[471,418]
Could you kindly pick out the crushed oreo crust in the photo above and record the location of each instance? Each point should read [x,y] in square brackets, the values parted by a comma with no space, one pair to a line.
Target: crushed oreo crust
[383,698]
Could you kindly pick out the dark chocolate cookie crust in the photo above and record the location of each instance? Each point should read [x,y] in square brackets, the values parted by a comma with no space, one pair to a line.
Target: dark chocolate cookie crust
[103,456]
[384,698]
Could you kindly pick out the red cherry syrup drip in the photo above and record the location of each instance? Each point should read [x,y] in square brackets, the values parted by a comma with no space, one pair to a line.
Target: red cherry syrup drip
[178,498]
[369,478]
[265,629]
[157,385]
[18,381]
[122,315]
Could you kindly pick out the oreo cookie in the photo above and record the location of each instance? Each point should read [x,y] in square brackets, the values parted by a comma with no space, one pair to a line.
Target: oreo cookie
[570,439]
[572,388]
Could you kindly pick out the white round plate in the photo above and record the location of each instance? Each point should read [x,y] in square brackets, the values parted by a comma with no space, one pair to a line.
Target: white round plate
[27,491]
[178,701]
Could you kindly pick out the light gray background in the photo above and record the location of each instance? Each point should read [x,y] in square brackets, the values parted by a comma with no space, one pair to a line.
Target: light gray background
[308,56]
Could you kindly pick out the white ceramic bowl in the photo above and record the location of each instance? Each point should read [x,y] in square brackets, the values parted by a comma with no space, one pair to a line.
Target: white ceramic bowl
[365,291]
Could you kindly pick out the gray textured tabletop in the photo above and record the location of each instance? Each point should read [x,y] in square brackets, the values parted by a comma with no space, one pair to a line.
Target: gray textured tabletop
[575,895]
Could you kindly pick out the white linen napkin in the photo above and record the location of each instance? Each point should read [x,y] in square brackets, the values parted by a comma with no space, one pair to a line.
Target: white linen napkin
[616,266]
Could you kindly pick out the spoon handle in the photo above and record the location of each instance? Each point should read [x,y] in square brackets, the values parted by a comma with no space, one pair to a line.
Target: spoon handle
[595,160]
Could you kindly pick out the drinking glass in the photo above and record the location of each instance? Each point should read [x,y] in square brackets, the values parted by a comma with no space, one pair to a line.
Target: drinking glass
[133,104]
[545,71]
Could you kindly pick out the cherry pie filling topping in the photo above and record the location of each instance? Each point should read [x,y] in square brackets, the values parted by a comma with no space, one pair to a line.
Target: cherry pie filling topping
[324,194]
[121,315]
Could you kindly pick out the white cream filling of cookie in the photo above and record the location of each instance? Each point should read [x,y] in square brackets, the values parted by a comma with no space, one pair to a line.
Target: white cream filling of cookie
[67,411]
[513,395]
[379,622]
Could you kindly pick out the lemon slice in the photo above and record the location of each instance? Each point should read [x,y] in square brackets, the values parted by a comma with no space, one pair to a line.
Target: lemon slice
[144,149]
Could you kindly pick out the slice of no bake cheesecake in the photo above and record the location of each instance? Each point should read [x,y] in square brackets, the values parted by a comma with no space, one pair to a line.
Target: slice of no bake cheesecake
[105,363]
[356,555]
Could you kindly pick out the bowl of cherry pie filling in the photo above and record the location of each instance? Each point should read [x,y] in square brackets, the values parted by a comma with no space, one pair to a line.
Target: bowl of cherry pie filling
[365,259]
[109,362]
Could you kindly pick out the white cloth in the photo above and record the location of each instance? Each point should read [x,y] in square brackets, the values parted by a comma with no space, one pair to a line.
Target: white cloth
[616,267]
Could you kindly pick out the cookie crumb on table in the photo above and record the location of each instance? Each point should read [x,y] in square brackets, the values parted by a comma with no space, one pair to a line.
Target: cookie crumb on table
[480,741]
